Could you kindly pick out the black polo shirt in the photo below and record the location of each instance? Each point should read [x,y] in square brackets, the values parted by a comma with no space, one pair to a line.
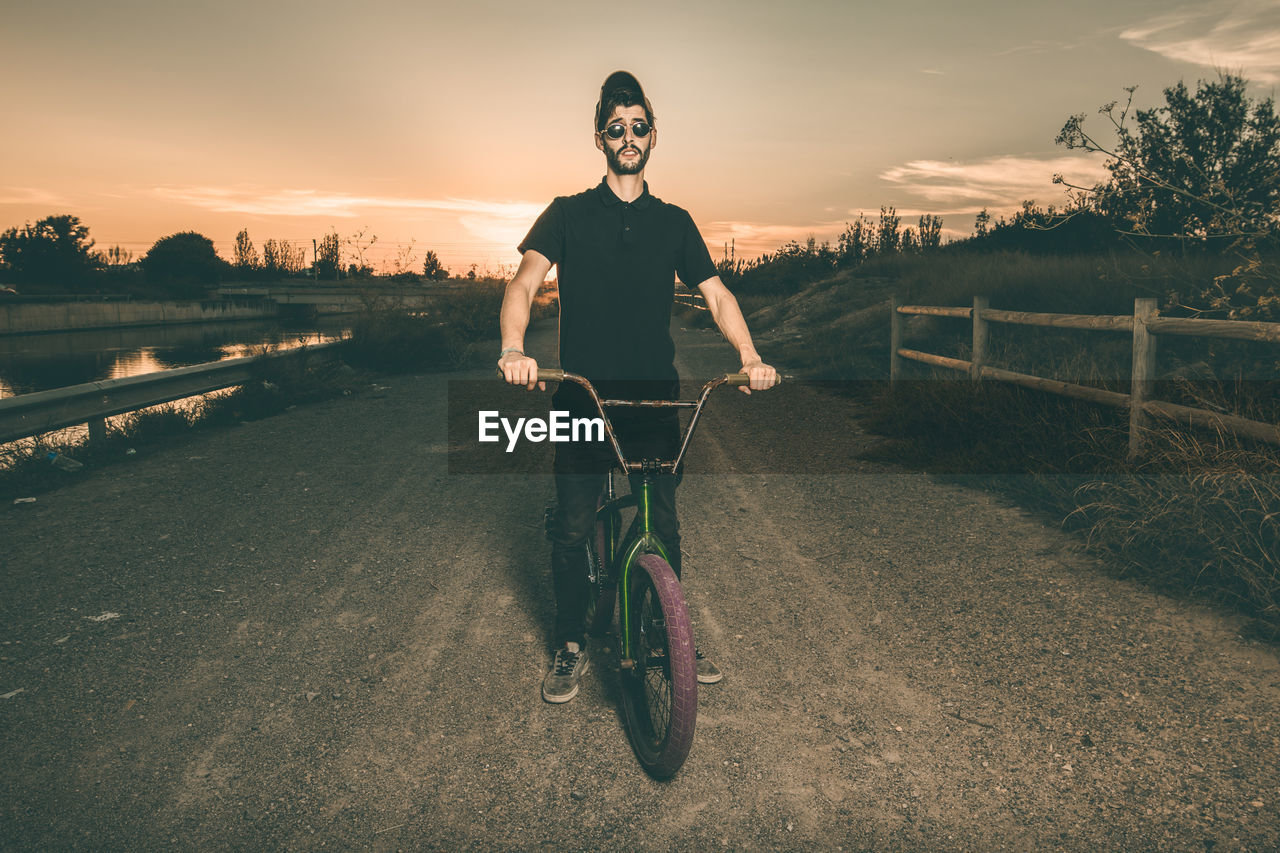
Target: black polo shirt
[617,264]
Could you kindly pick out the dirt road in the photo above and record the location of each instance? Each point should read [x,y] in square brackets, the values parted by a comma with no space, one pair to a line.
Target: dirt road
[305,633]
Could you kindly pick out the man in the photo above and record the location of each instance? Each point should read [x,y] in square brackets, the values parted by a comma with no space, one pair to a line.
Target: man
[618,250]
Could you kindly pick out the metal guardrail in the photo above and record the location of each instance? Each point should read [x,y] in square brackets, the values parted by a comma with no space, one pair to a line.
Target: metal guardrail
[1144,325]
[93,402]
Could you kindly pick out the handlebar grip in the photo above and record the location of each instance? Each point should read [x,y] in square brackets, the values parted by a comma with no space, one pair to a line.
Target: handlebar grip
[545,374]
[737,379]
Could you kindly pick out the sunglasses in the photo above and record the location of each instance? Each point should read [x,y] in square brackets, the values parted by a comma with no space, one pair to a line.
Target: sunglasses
[617,130]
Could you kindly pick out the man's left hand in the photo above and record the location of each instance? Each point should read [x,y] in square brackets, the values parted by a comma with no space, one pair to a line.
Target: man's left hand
[762,376]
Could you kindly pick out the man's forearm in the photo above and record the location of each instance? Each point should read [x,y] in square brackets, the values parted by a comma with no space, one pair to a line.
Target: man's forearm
[728,318]
[513,319]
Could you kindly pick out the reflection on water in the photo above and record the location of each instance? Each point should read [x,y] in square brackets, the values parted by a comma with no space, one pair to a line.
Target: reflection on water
[31,363]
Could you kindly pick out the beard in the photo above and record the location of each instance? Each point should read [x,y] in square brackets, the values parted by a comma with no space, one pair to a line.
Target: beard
[626,167]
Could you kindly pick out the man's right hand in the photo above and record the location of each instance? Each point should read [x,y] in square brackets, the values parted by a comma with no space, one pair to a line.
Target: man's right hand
[520,369]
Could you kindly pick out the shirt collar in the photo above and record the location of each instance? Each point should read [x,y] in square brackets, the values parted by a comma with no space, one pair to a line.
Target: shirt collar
[609,199]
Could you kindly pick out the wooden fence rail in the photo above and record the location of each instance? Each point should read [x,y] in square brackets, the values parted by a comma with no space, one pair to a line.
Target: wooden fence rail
[93,402]
[1145,326]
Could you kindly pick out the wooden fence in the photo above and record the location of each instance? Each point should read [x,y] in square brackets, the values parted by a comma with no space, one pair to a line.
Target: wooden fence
[1145,326]
[93,402]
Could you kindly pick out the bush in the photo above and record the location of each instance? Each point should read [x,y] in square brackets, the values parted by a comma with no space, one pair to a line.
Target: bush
[386,337]
[185,262]
[394,341]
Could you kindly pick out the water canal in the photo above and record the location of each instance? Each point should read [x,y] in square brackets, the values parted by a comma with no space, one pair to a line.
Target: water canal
[39,362]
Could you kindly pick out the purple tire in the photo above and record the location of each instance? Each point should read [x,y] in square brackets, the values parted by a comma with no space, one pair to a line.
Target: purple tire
[660,694]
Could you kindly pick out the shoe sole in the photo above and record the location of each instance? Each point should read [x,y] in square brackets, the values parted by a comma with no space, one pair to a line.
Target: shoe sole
[556,700]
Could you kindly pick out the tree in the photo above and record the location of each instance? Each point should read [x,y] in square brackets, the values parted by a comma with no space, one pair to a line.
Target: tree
[402,264]
[981,223]
[930,232]
[432,269]
[186,261]
[281,258]
[246,262]
[56,250]
[273,262]
[1201,171]
[117,257]
[887,237]
[908,244]
[357,245]
[1204,166]
[329,256]
[855,243]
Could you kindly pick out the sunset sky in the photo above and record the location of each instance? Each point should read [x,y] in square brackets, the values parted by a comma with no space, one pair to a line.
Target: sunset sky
[454,124]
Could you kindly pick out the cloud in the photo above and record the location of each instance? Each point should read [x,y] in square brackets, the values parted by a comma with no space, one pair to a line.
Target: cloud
[1234,36]
[996,183]
[1035,47]
[493,223]
[316,203]
[31,195]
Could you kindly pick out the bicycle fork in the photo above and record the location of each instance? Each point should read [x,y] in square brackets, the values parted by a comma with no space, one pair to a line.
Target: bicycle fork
[645,542]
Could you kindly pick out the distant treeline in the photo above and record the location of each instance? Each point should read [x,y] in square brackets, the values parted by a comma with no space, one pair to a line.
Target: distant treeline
[1032,229]
[57,255]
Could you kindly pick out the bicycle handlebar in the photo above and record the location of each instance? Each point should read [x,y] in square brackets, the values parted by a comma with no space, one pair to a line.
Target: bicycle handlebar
[555,374]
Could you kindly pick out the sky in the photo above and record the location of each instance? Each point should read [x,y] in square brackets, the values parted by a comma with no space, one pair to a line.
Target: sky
[448,126]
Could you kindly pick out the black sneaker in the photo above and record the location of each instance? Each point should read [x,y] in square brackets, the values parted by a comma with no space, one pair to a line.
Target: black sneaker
[561,683]
[708,672]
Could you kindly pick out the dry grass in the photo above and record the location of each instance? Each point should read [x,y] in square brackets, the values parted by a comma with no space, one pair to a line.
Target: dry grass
[1198,513]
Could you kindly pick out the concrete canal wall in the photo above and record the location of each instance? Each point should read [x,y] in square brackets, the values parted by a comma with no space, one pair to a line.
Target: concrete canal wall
[26,318]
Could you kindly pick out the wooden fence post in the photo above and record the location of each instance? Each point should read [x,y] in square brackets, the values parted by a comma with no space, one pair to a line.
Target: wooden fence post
[979,355]
[1144,370]
[895,342]
[97,429]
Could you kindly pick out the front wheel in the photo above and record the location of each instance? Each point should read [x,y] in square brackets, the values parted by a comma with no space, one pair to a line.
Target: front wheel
[660,693]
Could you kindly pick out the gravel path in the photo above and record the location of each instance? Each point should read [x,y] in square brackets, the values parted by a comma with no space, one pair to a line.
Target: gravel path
[306,633]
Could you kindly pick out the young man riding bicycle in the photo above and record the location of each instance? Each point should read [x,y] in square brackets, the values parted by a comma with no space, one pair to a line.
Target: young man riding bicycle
[618,250]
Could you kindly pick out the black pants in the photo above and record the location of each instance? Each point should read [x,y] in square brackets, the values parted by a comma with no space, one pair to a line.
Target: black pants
[580,477]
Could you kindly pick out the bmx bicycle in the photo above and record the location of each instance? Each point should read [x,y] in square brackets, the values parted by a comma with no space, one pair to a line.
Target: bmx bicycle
[656,653]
